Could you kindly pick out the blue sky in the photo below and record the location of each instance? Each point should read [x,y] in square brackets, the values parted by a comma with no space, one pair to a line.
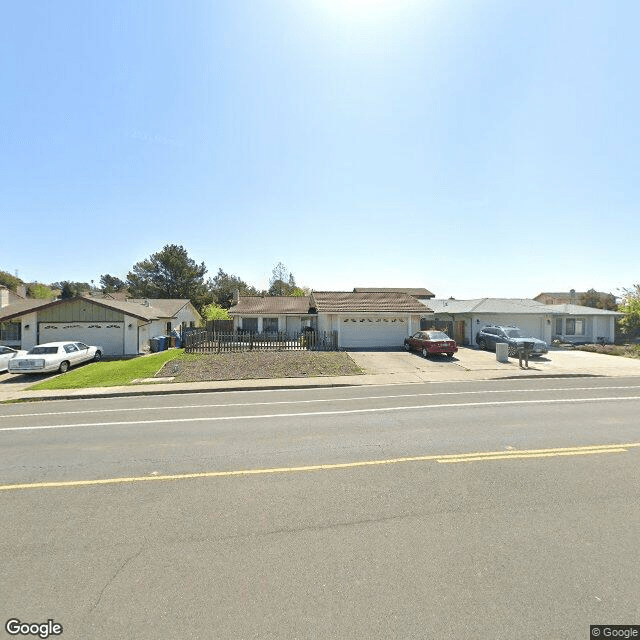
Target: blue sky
[473,148]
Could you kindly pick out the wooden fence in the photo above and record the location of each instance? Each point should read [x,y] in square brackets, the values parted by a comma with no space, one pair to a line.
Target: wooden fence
[204,341]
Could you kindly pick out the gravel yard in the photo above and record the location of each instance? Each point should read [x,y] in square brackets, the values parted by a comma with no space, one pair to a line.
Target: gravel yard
[259,364]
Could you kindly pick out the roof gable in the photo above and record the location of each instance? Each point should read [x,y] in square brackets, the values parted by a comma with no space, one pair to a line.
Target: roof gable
[277,305]
[373,302]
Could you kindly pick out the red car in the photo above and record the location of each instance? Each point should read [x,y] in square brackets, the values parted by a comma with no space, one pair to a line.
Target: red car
[430,342]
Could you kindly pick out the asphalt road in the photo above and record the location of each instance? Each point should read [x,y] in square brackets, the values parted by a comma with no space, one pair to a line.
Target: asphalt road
[498,509]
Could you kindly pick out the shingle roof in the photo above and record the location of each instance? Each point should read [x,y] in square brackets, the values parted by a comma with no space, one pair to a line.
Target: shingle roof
[346,301]
[416,292]
[279,305]
[158,308]
[510,305]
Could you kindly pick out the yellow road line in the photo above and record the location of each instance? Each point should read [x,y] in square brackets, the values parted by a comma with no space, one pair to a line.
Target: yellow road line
[442,458]
[530,455]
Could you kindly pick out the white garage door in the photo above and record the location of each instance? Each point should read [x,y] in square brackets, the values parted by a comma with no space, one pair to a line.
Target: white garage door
[108,335]
[373,332]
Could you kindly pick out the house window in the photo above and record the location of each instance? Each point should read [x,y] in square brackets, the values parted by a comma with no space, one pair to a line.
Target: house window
[250,324]
[168,328]
[559,326]
[574,326]
[10,331]
[270,325]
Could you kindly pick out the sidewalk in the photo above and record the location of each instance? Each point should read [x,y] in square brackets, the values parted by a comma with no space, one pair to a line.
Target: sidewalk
[396,367]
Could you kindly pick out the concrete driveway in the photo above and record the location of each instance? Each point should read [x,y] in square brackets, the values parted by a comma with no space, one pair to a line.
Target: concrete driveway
[556,362]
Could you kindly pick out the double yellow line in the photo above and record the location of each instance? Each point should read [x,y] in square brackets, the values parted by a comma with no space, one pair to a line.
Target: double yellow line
[442,458]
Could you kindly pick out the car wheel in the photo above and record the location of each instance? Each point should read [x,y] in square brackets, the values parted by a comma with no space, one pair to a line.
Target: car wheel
[449,355]
[425,353]
[97,357]
[513,352]
[64,367]
[407,346]
[482,344]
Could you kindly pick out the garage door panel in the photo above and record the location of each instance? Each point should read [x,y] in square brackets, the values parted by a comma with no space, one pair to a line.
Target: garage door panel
[373,332]
[108,335]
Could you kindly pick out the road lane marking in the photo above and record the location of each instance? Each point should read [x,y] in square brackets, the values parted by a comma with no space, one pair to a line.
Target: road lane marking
[280,402]
[455,457]
[318,413]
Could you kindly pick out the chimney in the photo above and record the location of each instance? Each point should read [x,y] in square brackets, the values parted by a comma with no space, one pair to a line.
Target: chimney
[4,296]
[572,295]
[236,295]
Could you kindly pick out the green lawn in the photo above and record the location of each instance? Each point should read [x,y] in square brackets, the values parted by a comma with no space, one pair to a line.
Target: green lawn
[110,373]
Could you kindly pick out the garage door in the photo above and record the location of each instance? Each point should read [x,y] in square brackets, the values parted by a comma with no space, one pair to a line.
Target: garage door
[373,332]
[108,335]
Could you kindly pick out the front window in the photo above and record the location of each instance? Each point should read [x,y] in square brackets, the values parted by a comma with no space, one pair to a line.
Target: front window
[574,327]
[10,331]
[559,326]
[70,348]
[514,333]
[270,325]
[250,324]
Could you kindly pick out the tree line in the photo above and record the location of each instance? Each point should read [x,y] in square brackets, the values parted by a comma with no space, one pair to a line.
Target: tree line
[168,273]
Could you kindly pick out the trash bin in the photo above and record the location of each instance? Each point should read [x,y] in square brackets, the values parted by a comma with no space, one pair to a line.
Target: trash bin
[154,345]
[162,343]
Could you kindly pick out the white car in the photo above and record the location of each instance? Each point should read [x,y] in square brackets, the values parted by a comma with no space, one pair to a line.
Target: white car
[6,353]
[54,356]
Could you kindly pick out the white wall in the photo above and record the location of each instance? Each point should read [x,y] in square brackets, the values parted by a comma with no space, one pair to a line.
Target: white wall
[30,335]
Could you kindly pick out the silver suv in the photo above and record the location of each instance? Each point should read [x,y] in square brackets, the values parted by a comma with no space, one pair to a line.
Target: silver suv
[489,336]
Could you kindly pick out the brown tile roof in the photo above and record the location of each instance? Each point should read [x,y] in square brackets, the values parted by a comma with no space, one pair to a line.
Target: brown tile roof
[373,302]
[416,292]
[279,305]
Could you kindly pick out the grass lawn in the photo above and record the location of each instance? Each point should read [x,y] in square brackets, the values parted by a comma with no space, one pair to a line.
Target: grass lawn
[199,367]
[111,373]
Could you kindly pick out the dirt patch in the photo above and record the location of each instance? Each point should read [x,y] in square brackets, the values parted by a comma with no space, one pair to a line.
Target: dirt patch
[254,365]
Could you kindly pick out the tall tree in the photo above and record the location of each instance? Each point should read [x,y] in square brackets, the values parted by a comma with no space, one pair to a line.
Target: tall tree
[597,300]
[282,282]
[630,322]
[169,273]
[109,283]
[223,285]
[69,289]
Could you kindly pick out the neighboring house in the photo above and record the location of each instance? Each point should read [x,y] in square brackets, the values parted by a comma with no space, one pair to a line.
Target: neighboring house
[567,322]
[415,292]
[565,297]
[361,319]
[121,327]
[272,314]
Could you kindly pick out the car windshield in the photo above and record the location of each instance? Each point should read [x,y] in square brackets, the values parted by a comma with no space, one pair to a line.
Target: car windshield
[437,335]
[39,351]
[515,333]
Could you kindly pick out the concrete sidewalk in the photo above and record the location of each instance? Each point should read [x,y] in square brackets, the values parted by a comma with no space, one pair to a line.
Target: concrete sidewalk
[472,365]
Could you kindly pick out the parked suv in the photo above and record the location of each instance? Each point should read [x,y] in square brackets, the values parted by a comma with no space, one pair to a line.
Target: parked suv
[489,336]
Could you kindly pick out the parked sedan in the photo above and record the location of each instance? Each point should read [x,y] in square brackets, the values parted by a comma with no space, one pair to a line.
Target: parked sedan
[431,342]
[54,356]
[6,353]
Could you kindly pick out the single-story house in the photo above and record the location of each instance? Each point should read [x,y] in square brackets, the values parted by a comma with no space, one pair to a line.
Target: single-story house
[361,319]
[566,322]
[121,327]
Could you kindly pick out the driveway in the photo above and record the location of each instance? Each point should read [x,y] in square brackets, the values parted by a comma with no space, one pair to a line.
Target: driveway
[556,362]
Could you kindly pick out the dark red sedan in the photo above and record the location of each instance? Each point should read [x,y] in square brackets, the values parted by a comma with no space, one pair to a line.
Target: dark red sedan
[430,342]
